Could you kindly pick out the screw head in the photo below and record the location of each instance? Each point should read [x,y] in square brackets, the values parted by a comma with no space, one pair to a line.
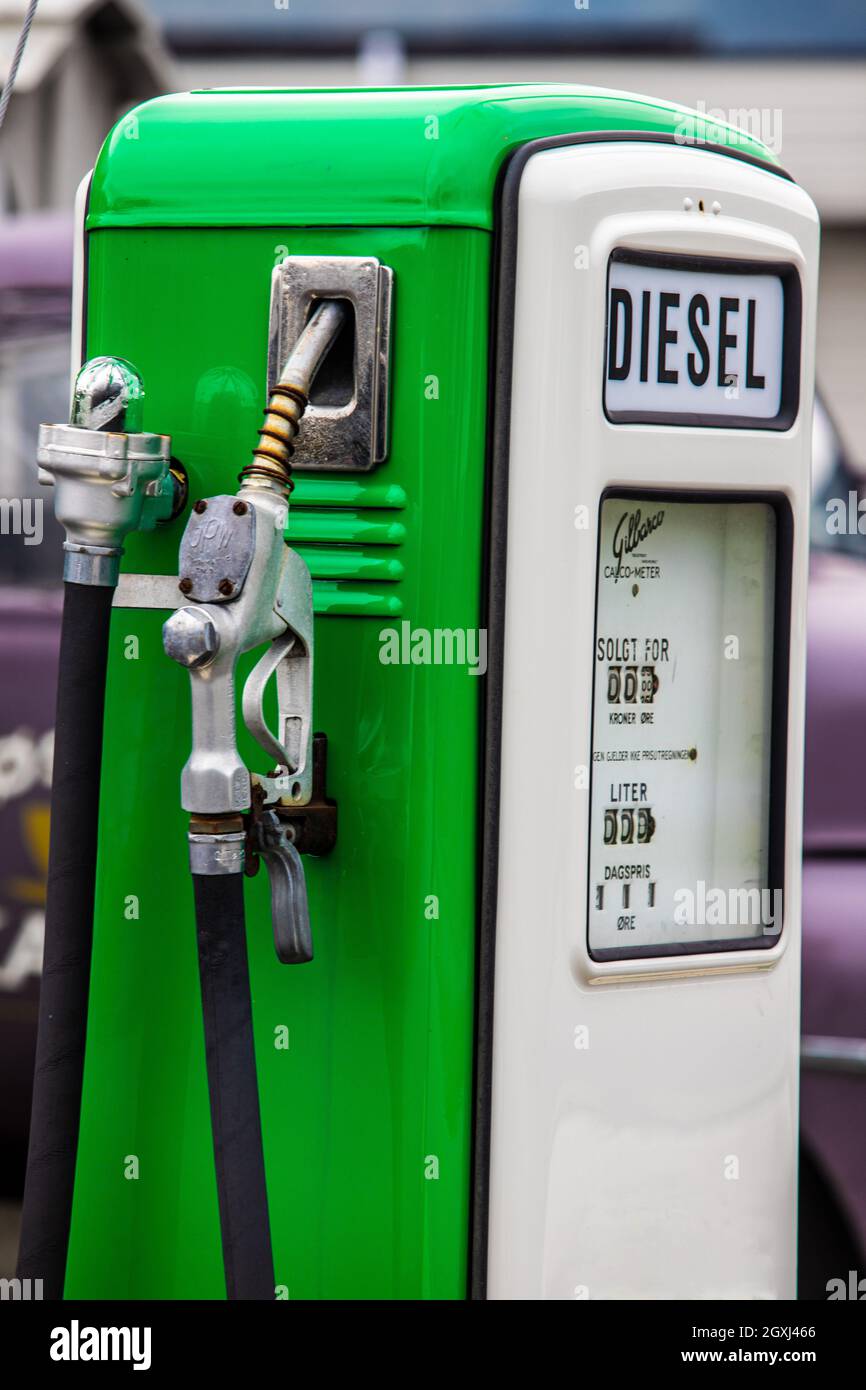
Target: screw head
[240,508]
[226,587]
[200,506]
[185,586]
[190,638]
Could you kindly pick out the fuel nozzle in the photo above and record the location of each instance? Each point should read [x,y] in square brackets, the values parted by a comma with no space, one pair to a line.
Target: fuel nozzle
[248,588]
[110,476]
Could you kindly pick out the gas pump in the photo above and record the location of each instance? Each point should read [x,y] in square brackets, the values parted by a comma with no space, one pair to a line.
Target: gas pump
[644,1046]
[536,364]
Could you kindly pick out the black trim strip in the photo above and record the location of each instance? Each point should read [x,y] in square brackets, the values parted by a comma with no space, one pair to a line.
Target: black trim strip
[516,164]
[502,295]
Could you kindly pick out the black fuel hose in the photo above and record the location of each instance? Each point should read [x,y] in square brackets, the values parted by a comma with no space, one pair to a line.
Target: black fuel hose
[59,1068]
[233,1086]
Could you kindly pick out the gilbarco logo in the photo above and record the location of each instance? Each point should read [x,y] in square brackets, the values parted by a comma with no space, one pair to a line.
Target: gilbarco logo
[632,531]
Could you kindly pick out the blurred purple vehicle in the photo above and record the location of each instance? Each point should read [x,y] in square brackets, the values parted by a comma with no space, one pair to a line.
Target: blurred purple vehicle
[35,295]
[833,1092]
[35,279]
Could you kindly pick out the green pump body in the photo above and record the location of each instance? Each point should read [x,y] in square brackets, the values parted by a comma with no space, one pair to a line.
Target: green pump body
[366,1056]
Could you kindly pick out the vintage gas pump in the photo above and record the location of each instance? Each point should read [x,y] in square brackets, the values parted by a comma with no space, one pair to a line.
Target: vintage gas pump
[536,366]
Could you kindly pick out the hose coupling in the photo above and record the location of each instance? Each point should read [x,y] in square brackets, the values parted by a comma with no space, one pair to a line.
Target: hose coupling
[110,477]
[272,457]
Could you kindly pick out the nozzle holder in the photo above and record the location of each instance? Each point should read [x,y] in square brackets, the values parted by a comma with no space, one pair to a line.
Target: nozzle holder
[353,436]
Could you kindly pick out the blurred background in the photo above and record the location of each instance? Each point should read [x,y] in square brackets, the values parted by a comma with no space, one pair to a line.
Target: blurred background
[791,72]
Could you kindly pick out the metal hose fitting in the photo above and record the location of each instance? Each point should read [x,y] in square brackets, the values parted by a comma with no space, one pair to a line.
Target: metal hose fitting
[289,399]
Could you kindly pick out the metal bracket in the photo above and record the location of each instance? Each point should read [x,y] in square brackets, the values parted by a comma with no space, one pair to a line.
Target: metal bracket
[314,825]
[352,436]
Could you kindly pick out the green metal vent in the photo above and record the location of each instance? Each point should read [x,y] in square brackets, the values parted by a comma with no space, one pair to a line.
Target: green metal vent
[349,534]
